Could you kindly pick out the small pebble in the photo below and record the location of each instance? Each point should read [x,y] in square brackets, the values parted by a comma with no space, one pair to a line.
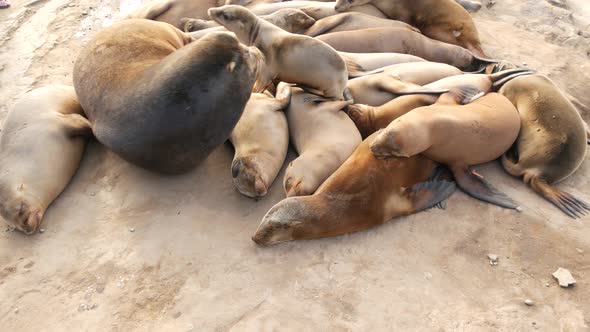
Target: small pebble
[525,64]
[580,251]
[16,310]
[132,230]
[176,315]
[547,285]
[82,307]
[42,230]
[529,302]
[493,259]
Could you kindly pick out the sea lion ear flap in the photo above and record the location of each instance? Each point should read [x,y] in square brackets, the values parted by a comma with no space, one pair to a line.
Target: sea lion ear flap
[433,191]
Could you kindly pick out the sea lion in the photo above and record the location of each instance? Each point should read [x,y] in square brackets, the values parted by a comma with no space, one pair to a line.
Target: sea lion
[287,55]
[457,136]
[552,142]
[289,19]
[369,119]
[41,146]
[261,141]
[443,20]
[397,80]
[472,6]
[172,11]
[364,192]
[188,24]
[373,61]
[323,136]
[397,40]
[159,100]
[353,21]
[315,9]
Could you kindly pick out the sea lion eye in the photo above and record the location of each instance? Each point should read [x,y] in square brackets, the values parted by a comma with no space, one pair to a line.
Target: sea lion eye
[225,16]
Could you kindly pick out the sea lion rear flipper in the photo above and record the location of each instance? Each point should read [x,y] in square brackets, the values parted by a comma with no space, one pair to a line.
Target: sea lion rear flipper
[567,203]
[476,186]
[76,125]
[432,192]
[283,96]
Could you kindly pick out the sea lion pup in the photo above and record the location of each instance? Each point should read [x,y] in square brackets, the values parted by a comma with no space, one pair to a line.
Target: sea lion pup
[369,119]
[354,21]
[397,80]
[289,19]
[373,61]
[458,136]
[261,141]
[315,9]
[397,40]
[552,141]
[321,133]
[443,20]
[364,192]
[159,100]
[287,55]
[41,146]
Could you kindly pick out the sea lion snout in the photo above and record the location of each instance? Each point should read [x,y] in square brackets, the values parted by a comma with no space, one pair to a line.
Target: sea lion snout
[23,217]
[343,5]
[248,177]
[279,224]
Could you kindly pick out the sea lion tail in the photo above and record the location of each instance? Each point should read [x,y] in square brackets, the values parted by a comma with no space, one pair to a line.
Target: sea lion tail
[568,204]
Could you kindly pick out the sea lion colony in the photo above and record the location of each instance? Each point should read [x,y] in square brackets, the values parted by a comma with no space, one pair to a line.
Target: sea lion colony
[409,77]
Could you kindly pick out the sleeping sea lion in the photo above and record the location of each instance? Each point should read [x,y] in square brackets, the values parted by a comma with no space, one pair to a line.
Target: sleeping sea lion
[353,21]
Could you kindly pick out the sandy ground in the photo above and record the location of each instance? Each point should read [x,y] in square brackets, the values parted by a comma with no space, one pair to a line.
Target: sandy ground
[189,264]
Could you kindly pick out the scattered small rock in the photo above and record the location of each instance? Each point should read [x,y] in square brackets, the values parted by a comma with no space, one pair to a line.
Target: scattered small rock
[176,315]
[82,307]
[99,289]
[16,310]
[84,13]
[132,229]
[529,302]
[92,307]
[525,64]
[564,277]
[547,285]
[493,259]
[42,230]
[580,251]
[491,3]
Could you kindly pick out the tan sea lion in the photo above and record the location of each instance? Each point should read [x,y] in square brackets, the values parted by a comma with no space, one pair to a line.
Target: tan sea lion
[552,140]
[443,20]
[373,61]
[41,145]
[364,192]
[369,119]
[289,19]
[397,40]
[457,136]
[397,80]
[160,100]
[172,11]
[261,141]
[322,134]
[196,24]
[353,21]
[317,10]
[287,55]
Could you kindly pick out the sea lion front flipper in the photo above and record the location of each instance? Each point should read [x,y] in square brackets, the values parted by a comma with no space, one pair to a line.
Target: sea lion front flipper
[567,203]
[432,192]
[328,24]
[394,85]
[476,186]
[76,125]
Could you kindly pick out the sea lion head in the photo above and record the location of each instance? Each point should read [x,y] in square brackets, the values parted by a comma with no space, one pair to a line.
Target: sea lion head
[22,211]
[238,20]
[248,177]
[344,5]
[283,222]
[291,19]
[295,182]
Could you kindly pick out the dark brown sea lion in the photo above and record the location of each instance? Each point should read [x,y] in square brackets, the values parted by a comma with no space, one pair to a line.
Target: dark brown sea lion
[159,100]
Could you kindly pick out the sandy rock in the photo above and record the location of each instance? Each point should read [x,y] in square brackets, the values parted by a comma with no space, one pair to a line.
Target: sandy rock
[564,277]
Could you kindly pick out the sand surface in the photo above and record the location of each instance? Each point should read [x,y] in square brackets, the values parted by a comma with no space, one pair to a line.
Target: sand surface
[189,264]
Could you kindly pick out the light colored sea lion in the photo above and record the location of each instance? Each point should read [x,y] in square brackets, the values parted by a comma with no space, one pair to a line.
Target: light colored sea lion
[369,119]
[458,136]
[378,89]
[397,40]
[443,20]
[315,9]
[353,21]
[364,192]
[195,24]
[373,61]
[261,141]
[552,142]
[289,19]
[287,55]
[172,11]
[159,100]
[41,145]
[322,134]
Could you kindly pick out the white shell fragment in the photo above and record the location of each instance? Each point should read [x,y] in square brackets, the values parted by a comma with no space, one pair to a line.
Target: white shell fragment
[564,277]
